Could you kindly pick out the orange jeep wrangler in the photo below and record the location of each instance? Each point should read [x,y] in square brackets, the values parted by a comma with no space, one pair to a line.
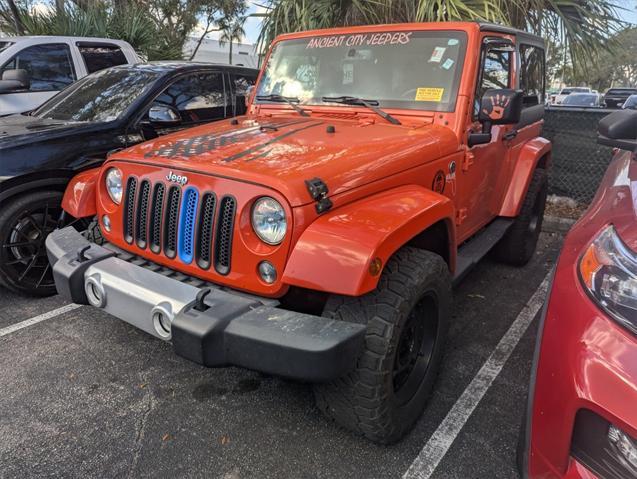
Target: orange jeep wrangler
[319,236]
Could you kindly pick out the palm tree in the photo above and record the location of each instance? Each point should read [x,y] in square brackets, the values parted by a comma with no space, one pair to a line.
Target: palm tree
[584,26]
[232,31]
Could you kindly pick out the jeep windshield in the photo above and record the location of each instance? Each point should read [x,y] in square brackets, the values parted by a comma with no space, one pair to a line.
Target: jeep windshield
[417,70]
[100,97]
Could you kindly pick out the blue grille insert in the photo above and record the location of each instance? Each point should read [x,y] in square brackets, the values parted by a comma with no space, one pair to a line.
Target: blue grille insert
[187,221]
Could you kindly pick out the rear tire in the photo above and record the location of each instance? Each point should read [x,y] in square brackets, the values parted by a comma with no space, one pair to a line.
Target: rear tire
[519,243]
[407,318]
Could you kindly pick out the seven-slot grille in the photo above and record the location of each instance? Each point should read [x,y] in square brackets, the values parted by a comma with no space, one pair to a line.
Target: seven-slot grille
[180,223]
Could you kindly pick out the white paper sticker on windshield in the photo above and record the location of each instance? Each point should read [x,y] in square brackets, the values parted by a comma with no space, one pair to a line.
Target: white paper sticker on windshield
[348,73]
[437,54]
[452,42]
[447,64]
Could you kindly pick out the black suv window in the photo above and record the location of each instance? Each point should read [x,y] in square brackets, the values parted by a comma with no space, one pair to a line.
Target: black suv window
[241,85]
[197,98]
[49,66]
[98,57]
[532,74]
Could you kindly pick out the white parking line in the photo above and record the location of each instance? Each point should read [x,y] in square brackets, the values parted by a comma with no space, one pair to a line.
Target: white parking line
[441,440]
[38,319]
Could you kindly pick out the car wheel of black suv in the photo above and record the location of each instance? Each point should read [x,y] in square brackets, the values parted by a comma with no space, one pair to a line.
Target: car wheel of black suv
[407,317]
[518,245]
[25,222]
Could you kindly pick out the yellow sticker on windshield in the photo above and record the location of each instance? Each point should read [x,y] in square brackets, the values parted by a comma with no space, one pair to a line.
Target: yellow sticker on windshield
[429,94]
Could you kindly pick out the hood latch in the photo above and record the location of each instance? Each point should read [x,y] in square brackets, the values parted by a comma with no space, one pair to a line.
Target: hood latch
[318,191]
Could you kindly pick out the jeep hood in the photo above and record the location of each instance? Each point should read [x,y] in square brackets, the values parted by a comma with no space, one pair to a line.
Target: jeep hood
[282,153]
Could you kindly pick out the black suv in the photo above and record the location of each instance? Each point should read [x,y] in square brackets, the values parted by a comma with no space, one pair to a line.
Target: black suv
[616,97]
[105,111]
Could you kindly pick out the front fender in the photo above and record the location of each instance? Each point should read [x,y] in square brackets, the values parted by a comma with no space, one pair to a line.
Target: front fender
[335,252]
[79,196]
[530,155]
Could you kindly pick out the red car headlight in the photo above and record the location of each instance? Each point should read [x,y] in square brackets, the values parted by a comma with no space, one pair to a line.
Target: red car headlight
[608,271]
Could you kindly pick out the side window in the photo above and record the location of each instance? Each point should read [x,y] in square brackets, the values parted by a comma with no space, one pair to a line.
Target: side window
[197,98]
[495,73]
[49,66]
[532,74]
[98,57]
[241,85]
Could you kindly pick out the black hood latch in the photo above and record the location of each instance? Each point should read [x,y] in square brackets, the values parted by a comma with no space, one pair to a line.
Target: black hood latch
[318,191]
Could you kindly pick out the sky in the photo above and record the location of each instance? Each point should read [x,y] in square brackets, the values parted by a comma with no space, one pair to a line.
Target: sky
[252,25]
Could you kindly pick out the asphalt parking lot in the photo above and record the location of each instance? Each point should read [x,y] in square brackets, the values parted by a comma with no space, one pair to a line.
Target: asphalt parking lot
[85,395]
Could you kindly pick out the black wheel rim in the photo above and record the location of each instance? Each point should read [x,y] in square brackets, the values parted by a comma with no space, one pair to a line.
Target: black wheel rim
[415,349]
[23,253]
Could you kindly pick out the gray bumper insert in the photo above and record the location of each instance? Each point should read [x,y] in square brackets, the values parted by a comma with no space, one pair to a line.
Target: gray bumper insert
[225,328]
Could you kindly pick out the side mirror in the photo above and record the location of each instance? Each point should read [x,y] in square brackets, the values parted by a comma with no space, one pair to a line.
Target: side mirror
[14,80]
[163,115]
[619,130]
[497,107]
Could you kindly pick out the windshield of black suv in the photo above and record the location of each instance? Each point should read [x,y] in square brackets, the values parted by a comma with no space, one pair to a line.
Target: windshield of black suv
[100,97]
[407,69]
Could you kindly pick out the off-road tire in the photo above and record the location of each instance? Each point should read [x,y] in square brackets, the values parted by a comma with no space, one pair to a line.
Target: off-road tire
[518,245]
[365,400]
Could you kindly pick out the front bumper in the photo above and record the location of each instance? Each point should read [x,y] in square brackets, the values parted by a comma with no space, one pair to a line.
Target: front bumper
[208,325]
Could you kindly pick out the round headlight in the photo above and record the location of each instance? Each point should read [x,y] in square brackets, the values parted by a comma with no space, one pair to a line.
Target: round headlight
[114,184]
[268,220]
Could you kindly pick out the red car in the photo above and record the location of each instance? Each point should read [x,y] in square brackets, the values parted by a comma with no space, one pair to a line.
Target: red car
[583,398]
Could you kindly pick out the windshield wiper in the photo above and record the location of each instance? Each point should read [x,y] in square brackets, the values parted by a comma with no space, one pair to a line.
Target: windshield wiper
[371,104]
[290,100]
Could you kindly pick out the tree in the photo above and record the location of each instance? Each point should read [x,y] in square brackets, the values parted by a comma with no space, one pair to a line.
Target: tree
[232,31]
[582,25]
[15,17]
[157,29]
[229,10]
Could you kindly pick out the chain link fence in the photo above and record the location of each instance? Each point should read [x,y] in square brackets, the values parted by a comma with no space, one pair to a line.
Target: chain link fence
[578,161]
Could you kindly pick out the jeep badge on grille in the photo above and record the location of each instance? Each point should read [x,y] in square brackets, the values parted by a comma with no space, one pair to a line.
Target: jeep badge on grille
[179,179]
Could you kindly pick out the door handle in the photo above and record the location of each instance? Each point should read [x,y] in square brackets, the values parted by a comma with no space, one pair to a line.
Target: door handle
[509,135]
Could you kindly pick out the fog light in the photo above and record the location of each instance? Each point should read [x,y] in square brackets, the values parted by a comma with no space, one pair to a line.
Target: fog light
[625,448]
[106,221]
[267,272]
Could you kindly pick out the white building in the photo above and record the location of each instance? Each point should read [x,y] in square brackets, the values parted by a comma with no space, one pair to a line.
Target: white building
[210,50]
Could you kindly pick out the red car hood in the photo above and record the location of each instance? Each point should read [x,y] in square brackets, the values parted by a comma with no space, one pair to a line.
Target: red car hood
[284,152]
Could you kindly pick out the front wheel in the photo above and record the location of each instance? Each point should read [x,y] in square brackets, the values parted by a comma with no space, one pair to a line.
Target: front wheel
[25,222]
[407,317]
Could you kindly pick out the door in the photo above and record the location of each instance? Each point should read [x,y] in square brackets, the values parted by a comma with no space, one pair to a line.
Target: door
[50,69]
[479,172]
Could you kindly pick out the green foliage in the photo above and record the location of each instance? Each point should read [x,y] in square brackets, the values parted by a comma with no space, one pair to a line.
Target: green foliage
[582,25]
[616,67]
[157,29]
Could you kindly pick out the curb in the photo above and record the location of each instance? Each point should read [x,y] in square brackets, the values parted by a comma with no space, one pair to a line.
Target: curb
[555,224]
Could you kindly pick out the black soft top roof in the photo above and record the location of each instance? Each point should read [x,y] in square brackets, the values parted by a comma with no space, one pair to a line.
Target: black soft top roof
[522,36]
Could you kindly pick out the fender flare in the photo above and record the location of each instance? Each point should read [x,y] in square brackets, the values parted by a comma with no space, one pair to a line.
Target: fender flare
[335,252]
[529,157]
[79,196]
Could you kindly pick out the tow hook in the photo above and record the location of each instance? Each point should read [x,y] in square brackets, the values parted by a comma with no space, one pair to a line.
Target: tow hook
[318,191]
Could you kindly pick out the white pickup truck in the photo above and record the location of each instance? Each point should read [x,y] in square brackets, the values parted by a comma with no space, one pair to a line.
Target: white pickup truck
[33,69]
[564,92]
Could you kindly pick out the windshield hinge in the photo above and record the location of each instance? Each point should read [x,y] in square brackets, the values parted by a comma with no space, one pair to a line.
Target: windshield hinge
[318,191]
